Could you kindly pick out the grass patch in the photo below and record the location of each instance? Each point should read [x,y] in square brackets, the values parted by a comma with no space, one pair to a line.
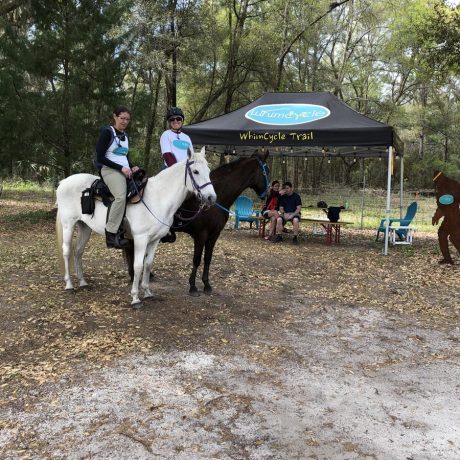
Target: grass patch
[30,217]
[27,191]
[26,186]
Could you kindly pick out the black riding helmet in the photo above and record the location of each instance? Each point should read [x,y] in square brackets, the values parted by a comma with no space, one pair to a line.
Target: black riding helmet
[175,112]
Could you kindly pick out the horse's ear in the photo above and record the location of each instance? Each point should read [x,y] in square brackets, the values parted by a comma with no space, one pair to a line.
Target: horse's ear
[262,154]
[203,151]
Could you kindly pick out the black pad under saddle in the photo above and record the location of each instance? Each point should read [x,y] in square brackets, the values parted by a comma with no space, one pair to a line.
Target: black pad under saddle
[99,190]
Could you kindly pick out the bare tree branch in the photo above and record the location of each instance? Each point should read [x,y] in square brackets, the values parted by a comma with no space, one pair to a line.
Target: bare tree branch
[7,6]
[332,7]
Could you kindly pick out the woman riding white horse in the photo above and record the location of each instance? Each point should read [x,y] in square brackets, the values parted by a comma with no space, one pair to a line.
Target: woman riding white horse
[148,221]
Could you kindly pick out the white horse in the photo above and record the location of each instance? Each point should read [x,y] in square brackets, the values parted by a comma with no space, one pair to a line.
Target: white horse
[149,221]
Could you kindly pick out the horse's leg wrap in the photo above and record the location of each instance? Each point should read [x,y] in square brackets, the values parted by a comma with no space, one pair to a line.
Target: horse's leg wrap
[84,233]
[192,282]
[198,252]
[140,245]
[208,251]
[151,249]
[67,233]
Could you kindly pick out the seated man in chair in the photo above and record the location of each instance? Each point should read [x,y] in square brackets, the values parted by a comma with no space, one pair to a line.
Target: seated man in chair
[290,205]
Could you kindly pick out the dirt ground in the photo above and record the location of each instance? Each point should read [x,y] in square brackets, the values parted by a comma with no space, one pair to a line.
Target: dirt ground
[309,351]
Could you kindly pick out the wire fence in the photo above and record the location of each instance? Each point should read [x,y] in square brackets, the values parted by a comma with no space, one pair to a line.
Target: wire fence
[365,207]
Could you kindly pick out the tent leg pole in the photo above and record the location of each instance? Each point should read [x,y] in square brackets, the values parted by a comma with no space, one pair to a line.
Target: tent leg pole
[401,188]
[388,209]
[363,193]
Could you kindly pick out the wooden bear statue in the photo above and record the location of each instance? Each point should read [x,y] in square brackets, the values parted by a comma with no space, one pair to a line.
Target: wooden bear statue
[448,201]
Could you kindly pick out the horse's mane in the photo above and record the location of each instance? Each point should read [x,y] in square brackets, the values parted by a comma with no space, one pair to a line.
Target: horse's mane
[227,168]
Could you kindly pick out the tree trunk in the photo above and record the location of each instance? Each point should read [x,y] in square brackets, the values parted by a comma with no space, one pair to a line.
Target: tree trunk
[424,102]
[133,97]
[348,168]
[446,149]
[284,168]
[295,177]
[9,5]
[171,55]
[66,103]
[421,145]
[154,95]
[234,47]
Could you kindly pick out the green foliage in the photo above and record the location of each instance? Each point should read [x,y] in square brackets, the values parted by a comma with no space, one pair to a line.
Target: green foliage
[30,217]
[17,186]
[64,64]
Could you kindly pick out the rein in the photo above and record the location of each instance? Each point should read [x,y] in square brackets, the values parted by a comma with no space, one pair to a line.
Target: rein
[264,168]
[187,220]
[195,186]
[225,209]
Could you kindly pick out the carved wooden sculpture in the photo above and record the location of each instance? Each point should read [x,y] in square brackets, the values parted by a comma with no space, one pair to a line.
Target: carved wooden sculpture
[448,201]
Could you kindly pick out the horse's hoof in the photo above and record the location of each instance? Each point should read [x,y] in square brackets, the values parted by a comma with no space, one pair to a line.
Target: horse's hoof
[136,306]
[70,290]
[86,287]
[446,262]
[207,291]
[194,293]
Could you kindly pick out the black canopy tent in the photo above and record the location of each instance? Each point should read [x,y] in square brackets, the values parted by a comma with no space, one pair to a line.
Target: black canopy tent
[300,124]
[306,123]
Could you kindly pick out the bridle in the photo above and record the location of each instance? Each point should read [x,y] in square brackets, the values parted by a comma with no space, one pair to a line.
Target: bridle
[198,188]
[265,174]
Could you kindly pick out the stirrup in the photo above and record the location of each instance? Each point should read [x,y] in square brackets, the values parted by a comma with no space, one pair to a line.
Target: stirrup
[115,240]
[170,237]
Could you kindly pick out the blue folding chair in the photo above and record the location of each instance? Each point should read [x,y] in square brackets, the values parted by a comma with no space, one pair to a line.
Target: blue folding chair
[244,211]
[405,222]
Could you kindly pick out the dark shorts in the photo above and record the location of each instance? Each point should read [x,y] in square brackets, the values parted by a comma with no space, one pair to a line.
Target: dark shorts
[291,219]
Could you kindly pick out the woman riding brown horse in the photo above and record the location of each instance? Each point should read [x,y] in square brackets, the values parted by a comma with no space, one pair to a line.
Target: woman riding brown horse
[229,181]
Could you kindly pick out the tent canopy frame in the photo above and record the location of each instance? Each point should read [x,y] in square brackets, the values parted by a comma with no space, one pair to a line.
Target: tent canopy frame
[314,124]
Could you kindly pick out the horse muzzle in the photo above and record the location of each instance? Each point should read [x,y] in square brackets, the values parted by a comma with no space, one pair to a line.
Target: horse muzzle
[208,198]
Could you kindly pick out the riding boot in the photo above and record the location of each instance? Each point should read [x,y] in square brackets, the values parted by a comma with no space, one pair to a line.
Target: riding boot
[115,240]
[170,237]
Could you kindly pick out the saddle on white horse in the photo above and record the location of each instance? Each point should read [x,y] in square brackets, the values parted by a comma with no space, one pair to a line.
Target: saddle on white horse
[99,191]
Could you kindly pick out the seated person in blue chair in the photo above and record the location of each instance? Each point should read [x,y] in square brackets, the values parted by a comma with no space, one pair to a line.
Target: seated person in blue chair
[271,206]
[290,205]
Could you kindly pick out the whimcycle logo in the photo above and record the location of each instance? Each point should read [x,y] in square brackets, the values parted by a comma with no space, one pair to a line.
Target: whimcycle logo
[180,144]
[287,114]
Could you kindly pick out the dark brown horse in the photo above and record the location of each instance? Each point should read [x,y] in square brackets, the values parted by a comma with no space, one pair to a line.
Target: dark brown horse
[229,181]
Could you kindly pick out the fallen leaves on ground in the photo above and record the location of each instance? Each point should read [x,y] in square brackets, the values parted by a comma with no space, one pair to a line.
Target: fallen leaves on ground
[47,332]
